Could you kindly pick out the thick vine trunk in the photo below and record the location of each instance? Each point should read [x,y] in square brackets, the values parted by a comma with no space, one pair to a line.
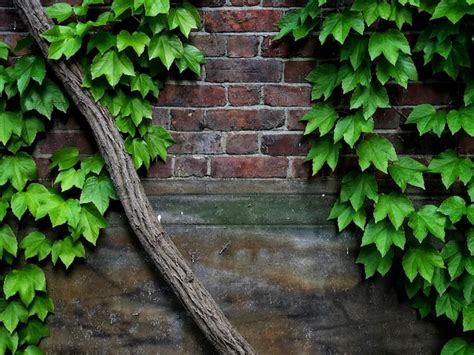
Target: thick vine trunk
[161,249]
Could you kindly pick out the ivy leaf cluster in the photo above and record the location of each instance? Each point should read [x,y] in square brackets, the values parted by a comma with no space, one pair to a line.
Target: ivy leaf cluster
[125,68]
[125,53]
[432,243]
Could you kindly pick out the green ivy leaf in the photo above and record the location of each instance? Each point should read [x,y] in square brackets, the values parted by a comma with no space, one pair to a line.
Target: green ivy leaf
[137,40]
[8,341]
[158,141]
[422,260]
[427,119]
[339,25]
[453,256]
[60,11]
[10,123]
[18,169]
[31,199]
[137,108]
[463,118]
[181,17]
[138,149]
[70,178]
[324,79]
[67,250]
[468,318]
[25,282]
[394,205]
[355,50]
[14,313]
[389,43]
[356,187]
[425,220]
[372,10]
[167,47]
[8,241]
[31,127]
[91,223]
[103,41]
[407,171]
[43,99]
[454,207]
[112,65]
[323,150]
[373,261]
[451,167]
[192,58]
[403,71]
[345,214]
[98,190]
[33,332]
[153,7]
[27,68]
[383,235]
[370,99]
[36,244]
[457,346]
[351,127]
[93,164]
[65,158]
[322,117]
[452,9]
[42,305]
[376,150]
[143,84]
[449,304]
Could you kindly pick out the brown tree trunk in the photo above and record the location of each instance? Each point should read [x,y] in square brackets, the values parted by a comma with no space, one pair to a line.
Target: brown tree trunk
[161,249]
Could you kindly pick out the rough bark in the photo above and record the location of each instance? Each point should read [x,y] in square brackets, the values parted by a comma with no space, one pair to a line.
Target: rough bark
[167,258]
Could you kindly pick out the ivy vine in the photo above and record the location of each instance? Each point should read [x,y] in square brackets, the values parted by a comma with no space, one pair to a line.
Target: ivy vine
[432,244]
[125,53]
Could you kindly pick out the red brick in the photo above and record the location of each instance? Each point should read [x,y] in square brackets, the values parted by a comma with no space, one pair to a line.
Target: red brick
[242,46]
[190,166]
[284,3]
[209,3]
[197,143]
[281,95]
[416,94]
[241,20]
[55,140]
[211,44]
[299,168]
[250,166]
[42,166]
[159,169]
[187,120]
[236,119]
[294,119]
[243,70]
[71,122]
[285,144]
[389,118]
[192,95]
[161,117]
[287,47]
[238,143]
[245,2]
[244,95]
[296,71]
[466,144]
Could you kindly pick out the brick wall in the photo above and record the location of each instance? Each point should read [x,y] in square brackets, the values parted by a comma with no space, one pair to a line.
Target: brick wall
[240,119]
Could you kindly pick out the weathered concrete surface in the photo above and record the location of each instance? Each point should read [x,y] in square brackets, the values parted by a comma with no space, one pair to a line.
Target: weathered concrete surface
[281,272]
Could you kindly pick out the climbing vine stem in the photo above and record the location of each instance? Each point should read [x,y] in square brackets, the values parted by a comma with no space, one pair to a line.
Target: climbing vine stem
[381,45]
